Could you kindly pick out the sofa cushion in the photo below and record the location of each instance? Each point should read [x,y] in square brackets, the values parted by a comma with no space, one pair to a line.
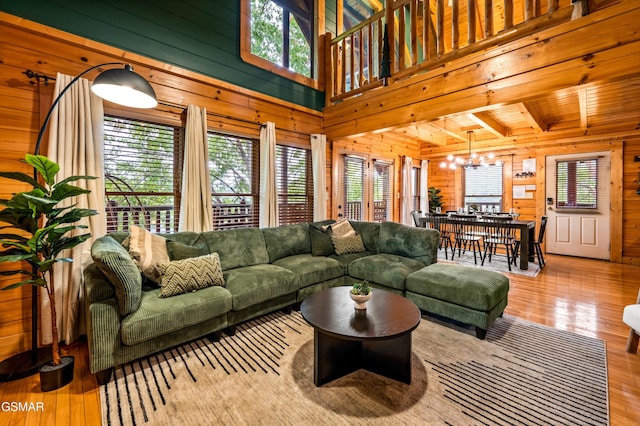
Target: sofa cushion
[179,251]
[115,263]
[254,284]
[473,288]
[387,269]
[148,251]
[346,259]
[370,232]
[417,243]
[348,244]
[321,244]
[159,316]
[287,240]
[237,247]
[195,273]
[312,269]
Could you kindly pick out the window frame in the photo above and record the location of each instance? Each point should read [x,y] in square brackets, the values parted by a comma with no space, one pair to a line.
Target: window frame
[141,215]
[247,56]
[572,183]
[465,194]
[308,185]
[254,180]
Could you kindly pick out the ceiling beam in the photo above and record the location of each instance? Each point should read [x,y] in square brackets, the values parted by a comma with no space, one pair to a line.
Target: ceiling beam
[582,100]
[441,127]
[485,120]
[534,119]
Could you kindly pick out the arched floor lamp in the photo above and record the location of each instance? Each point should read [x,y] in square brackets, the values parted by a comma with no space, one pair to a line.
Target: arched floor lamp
[118,85]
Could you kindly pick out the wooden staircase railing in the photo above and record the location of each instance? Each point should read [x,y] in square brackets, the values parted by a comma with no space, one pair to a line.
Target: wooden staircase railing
[422,38]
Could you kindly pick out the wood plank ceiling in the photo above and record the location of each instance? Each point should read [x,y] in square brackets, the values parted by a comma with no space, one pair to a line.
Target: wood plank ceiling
[597,109]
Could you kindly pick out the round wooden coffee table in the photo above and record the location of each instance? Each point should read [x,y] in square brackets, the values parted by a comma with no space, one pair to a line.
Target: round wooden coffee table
[377,339]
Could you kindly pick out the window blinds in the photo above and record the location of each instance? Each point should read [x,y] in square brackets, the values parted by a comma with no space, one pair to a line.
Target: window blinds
[353,188]
[295,185]
[577,184]
[143,168]
[233,166]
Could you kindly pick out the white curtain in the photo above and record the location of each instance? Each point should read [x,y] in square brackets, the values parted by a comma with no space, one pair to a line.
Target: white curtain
[319,165]
[268,189]
[406,206]
[196,210]
[76,144]
[424,186]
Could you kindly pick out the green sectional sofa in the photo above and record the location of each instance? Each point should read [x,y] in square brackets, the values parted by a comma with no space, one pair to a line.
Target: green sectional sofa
[264,270]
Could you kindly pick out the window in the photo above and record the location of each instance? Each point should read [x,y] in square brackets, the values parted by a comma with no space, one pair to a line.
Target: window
[280,33]
[356,11]
[143,169]
[382,205]
[364,188]
[415,187]
[233,167]
[577,184]
[295,185]
[483,188]
[352,203]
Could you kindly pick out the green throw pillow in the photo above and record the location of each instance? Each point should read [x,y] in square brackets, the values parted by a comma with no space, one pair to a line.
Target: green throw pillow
[321,244]
[115,263]
[348,244]
[181,276]
[179,251]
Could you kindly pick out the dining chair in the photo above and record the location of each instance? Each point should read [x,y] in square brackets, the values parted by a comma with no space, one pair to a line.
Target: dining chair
[437,222]
[498,235]
[416,214]
[537,248]
[468,234]
[631,317]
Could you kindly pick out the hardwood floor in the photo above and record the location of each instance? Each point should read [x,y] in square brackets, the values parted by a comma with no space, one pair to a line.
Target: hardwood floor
[579,295]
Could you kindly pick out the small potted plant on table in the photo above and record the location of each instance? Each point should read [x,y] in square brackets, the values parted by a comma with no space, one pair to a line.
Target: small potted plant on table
[360,293]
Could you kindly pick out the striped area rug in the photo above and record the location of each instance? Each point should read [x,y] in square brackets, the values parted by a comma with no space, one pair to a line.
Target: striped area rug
[522,374]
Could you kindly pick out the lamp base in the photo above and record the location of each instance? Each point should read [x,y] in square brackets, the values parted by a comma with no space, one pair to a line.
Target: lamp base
[23,365]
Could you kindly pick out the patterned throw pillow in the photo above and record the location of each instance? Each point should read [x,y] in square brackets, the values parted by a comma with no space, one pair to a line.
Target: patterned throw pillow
[349,244]
[342,228]
[148,251]
[182,276]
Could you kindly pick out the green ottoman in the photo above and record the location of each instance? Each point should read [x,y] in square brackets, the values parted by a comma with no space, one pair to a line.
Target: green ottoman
[468,295]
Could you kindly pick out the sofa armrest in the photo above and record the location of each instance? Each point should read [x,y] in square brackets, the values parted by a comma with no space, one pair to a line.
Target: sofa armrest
[96,285]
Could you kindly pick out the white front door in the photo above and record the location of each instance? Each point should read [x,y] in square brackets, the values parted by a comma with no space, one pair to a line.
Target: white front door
[578,213]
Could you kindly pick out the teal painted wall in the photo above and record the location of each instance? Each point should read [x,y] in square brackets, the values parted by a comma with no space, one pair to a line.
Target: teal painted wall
[198,35]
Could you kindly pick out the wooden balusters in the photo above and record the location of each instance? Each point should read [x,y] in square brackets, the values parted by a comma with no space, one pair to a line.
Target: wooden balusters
[471,21]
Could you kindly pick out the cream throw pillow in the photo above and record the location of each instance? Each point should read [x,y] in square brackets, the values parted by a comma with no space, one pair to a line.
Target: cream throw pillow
[195,273]
[342,228]
[148,251]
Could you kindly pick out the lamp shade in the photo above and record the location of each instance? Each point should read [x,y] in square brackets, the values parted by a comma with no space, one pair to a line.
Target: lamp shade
[124,87]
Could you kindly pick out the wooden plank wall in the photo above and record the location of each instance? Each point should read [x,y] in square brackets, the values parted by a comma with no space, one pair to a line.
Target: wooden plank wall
[26,45]
[625,182]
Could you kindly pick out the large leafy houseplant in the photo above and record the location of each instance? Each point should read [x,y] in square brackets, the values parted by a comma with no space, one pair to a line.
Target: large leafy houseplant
[36,229]
[435,199]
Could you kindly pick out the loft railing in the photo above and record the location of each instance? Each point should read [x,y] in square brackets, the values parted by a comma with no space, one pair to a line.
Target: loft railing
[421,38]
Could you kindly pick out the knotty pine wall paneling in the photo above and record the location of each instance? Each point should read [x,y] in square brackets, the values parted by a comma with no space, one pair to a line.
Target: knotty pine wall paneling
[28,45]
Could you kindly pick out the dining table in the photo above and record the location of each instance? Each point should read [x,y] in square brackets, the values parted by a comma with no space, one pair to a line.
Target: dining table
[525,229]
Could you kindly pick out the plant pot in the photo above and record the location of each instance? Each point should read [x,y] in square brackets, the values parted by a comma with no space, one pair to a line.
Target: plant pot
[54,377]
[360,300]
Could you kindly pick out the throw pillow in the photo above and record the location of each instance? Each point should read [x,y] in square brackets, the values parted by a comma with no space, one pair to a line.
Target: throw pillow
[115,263]
[349,244]
[321,244]
[342,228]
[179,251]
[181,276]
[148,251]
